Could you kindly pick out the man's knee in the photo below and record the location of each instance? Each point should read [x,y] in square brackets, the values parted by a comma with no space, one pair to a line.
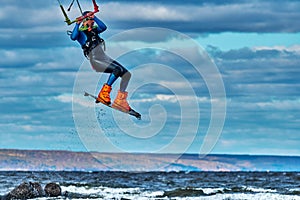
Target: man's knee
[119,71]
[127,75]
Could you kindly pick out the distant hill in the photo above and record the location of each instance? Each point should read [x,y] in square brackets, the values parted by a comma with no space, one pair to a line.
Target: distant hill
[38,160]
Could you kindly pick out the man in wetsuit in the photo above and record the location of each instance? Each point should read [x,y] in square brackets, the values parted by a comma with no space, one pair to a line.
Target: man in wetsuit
[88,36]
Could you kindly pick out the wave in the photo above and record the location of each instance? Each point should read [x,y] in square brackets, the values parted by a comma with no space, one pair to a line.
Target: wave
[171,185]
[294,191]
[86,192]
[192,192]
[81,191]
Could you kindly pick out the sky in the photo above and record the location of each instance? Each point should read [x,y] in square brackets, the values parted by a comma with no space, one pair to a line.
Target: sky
[208,76]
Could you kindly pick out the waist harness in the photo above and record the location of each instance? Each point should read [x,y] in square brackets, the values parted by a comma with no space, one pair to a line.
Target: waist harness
[92,41]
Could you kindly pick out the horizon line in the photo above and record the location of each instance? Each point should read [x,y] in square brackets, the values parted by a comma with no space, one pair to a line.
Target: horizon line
[151,153]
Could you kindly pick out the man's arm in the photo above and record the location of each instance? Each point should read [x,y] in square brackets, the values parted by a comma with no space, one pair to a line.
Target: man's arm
[75,33]
[101,26]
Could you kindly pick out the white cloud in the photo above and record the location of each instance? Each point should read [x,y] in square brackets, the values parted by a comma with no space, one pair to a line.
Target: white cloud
[75,99]
[28,79]
[143,11]
[30,16]
[293,48]
[174,99]
[285,104]
[42,59]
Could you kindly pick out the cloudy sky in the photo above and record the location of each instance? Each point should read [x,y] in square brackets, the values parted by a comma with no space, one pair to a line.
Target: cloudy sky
[254,71]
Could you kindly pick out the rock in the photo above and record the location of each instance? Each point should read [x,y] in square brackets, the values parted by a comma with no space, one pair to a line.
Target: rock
[37,189]
[52,190]
[33,190]
[26,191]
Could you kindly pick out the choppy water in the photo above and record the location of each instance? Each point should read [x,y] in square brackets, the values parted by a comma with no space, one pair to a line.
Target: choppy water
[163,185]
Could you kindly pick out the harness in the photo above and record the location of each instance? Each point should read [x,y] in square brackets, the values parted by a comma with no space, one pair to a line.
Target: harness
[92,41]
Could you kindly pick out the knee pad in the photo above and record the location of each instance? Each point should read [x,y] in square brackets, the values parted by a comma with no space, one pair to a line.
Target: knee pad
[119,71]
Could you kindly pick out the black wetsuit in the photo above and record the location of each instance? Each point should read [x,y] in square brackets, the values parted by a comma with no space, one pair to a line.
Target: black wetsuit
[92,44]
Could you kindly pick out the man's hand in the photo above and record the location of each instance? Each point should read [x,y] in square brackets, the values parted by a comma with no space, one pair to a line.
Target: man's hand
[91,15]
[78,21]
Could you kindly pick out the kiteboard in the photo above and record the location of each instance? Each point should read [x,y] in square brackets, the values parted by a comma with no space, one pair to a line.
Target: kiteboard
[130,112]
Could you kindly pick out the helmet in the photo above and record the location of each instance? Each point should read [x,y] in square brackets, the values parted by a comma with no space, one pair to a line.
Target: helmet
[85,12]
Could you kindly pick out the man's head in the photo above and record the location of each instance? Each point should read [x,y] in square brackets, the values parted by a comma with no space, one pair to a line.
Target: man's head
[88,21]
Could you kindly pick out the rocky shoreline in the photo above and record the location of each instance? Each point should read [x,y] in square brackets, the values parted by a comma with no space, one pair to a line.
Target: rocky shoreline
[30,190]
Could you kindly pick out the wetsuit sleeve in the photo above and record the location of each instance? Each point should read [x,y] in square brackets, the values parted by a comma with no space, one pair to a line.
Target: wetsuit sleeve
[75,33]
[101,26]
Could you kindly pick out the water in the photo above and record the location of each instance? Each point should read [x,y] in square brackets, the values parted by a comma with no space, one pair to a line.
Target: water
[164,185]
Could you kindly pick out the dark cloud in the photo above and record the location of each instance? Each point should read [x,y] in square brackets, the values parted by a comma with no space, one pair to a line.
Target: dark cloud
[262,88]
[186,16]
[234,16]
[250,72]
[143,35]
[34,40]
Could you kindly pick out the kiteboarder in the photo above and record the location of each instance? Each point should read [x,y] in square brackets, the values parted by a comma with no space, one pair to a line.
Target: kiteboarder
[86,32]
